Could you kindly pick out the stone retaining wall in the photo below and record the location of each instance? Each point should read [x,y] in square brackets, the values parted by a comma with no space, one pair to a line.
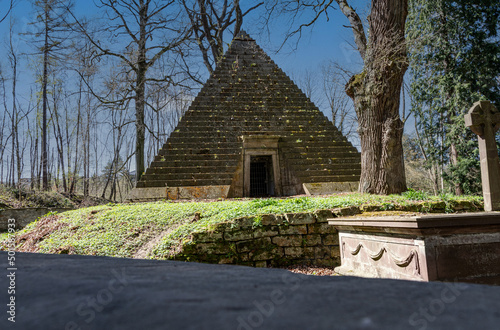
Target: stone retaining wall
[293,238]
[268,240]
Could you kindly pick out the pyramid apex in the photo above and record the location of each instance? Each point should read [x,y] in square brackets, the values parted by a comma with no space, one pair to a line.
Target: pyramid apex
[243,36]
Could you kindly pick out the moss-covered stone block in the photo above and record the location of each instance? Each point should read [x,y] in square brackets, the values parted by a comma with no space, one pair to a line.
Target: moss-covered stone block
[203,237]
[346,211]
[265,254]
[220,227]
[266,231]
[244,222]
[288,240]
[300,218]
[330,239]
[321,228]
[323,215]
[312,240]
[464,206]
[212,248]
[263,243]
[322,252]
[410,208]
[299,252]
[370,208]
[293,230]
[272,220]
[238,235]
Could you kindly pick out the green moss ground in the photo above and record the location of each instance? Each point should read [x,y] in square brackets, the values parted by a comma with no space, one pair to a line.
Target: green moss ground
[119,230]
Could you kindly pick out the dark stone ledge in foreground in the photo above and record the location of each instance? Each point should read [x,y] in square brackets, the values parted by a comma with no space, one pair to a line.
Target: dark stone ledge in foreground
[82,292]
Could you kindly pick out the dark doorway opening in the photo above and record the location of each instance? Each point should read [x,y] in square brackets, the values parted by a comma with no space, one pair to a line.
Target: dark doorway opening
[261,176]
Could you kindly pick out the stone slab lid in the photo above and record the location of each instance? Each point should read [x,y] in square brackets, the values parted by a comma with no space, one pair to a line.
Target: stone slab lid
[420,221]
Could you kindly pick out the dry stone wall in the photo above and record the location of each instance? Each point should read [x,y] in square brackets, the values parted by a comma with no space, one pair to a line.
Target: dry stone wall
[268,240]
[293,238]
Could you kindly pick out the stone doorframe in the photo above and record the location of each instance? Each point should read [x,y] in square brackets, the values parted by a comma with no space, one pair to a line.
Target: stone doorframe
[261,145]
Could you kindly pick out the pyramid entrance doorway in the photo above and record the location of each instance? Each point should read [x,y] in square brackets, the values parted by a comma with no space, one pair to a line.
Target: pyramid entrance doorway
[261,176]
[261,166]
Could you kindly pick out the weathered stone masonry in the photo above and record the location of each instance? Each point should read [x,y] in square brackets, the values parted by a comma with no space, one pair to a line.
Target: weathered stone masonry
[268,240]
[293,238]
[250,115]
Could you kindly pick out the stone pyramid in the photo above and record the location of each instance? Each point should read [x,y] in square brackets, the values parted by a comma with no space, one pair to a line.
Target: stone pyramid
[249,132]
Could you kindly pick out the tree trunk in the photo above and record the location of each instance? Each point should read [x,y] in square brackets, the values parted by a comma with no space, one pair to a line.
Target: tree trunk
[454,161]
[140,92]
[376,94]
[44,160]
[86,155]
[16,115]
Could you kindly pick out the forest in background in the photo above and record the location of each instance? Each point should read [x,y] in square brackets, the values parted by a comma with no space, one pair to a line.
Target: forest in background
[110,85]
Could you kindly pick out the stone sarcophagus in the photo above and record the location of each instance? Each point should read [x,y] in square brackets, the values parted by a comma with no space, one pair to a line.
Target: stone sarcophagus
[444,247]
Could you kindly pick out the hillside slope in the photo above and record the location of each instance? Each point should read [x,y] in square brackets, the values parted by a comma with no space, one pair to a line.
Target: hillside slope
[157,230]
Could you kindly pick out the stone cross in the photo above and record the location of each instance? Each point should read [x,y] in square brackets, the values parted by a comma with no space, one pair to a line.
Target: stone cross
[484,120]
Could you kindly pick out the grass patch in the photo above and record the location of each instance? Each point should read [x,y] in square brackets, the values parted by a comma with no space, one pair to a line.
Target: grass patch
[119,230]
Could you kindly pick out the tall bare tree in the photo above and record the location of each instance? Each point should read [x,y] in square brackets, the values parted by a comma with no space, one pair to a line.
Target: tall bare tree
[16,115]
[51,35]
[140,33]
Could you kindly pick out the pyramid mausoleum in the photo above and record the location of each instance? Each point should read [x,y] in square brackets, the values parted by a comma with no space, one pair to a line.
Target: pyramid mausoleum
[250,132]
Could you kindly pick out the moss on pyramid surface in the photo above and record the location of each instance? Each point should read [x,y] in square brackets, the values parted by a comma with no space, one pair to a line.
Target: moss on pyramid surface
[248,95]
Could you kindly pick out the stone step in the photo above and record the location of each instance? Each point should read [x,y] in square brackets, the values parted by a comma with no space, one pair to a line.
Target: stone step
[300,138]
[324,161]
[318,146]
[256,126]
[200,151]
[254,97]
[322,153]
[260,116]
[325,166]
[290,149]
[256,129]
[205,125]
[199,144]
[190,169]
[221,132]
[251,120]
[235,111]
[208,139]
[202,158]
[207,109]
[188,176]
[292,139]
[241,81]
[302,145]
[327,173]
[188,151]
[182,183]
[331,178]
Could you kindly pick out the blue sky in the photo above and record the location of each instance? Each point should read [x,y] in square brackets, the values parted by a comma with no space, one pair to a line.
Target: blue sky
[326,40]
